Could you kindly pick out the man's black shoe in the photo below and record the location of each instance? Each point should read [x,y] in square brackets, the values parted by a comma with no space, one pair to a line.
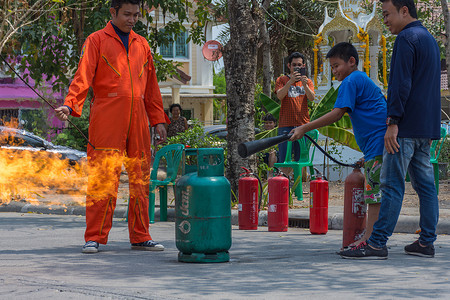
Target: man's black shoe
[147,246]
[416,249]
[364,251]
[90,247]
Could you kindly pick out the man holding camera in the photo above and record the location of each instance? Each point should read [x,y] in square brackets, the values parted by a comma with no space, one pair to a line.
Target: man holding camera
[294,90]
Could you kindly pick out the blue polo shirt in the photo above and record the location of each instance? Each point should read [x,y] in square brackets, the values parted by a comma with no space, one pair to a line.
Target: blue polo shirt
[366,107]
[414,95]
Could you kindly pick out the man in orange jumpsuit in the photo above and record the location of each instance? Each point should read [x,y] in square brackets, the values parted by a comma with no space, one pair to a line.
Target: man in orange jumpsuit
[118,65]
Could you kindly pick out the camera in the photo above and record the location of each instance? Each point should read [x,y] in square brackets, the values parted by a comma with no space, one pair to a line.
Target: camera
[301,71]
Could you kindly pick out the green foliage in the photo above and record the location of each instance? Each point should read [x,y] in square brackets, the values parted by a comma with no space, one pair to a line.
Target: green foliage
[267,133]
[220,110]
[259,108]
[326,105]
[34,121]
[51,59]
[338,131]
[263,169]
[50,46]
[272,106]
[303,16]
[164,68]
[220,85]
[297,181]
[195,137]
[265,195]
[234,199]
[445,151]
[220,105]
[70,136]
[335,151]
[340,135]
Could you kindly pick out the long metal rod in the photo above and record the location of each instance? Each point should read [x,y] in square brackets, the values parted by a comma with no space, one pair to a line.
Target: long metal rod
[45,100]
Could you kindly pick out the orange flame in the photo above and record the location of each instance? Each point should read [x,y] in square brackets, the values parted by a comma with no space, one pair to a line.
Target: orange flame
[104,173]
[31,175]
[27,175]
[39,176]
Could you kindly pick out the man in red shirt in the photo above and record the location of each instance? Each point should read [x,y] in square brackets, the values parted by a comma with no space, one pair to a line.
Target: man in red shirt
[294,90]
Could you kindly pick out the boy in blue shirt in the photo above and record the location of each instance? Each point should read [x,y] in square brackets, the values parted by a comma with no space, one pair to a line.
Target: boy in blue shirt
[414,119]
[364,102]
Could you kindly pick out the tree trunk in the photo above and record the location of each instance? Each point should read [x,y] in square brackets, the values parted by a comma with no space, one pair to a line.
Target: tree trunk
[278,60]
[240,75]
[265,47]
[78,25]
[447,38]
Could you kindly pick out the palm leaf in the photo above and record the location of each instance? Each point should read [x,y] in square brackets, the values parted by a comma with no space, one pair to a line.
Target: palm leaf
[267,133]
[340,135]
[270,105]
[325,105]
[338,130]
[344,122]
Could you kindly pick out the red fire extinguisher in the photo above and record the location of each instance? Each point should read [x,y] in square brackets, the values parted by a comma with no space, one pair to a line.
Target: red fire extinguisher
[248,207]
[278,207]
[354,208]
[318,209]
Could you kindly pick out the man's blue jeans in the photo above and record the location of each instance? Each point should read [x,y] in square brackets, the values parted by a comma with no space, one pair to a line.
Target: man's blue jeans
[282,147]
[414,157]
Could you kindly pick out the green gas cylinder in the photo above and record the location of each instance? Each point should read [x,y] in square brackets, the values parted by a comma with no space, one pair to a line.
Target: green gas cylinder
[203,210]
[190,160]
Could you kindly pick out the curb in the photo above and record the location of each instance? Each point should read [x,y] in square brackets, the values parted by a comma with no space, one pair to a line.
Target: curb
[23,207]
[297,218]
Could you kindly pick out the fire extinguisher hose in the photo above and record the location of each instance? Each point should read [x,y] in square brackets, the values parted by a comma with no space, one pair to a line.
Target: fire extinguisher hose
[354,165]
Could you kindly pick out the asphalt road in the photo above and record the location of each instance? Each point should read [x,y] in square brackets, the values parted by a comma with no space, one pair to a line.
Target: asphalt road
[40,258]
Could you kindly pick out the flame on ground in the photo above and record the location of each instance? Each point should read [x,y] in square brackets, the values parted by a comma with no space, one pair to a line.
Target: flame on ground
[41,176]
[29,175]
[37,177]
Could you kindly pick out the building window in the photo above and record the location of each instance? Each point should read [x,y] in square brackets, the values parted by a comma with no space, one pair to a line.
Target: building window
[178,48]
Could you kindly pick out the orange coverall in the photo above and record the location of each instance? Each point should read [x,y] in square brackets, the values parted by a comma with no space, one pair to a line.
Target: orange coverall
[126,98]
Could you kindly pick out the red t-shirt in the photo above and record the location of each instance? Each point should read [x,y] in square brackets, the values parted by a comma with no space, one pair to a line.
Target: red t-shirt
[294,107]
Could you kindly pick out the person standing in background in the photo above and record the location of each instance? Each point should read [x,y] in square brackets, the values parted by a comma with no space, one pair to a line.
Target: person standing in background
[294,91]
[178,123]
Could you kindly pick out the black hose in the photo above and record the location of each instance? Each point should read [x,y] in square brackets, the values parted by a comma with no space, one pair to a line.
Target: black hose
[260,192]
[354,165]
